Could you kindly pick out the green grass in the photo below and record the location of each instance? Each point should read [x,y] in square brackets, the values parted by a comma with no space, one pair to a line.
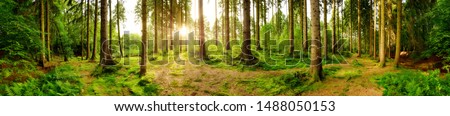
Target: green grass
[287,84]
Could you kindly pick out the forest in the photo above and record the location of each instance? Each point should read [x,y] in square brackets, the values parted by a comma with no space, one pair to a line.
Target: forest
[225,48]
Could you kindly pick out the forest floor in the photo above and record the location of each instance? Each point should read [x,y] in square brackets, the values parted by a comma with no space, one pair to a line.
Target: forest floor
[354,77]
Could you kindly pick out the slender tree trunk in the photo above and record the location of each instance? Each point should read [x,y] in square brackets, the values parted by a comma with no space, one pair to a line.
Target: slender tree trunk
[48,31]
[258,15]
[107,60]
[118,28]
[316,60]
[291,28]
[227,25]
[351,27]
[94,51]
[333,40]
[359,28]
[375,30]
[155,41]
[399,32]
[305,27]
[370,29]
[110,26]
[143,62]
[42,60]
[382,36]
[87,30]
[301,19]
[202,30]
[82,32]
[171,23]
[216,34]
[246,54]
[325,27]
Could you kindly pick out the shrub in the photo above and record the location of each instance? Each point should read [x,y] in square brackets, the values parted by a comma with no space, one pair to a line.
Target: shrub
[414,84]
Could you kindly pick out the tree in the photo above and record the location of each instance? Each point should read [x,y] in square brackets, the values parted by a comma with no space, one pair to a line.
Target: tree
[316,60]
[333,34]
[143,62]
[374,31]
[382,36]
[351,27]
[87,28]
[359,28]
[110,24]
[107,58]
[246,55]
[305,27]
[202,30]
[399,32]
[258,14]
[94,51]
[48,30]
[227,25]
[120,15]
[325,27]
[291,28]
[155,14]
[42,13]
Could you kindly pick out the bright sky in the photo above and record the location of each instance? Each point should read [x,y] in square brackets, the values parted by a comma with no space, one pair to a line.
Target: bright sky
[208,11]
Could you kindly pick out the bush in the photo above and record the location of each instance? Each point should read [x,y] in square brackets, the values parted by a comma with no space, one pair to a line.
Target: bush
[414,84]
[287,84]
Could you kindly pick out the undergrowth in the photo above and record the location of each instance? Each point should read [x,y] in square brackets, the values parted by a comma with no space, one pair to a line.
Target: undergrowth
[287,84]
[415,83]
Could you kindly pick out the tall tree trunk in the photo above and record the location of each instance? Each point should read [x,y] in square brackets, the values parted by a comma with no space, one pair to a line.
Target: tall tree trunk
[370,28]
[107,60]
[325,27]
[143,62]
[351,27]
[216,33]
[48,31]
[291,28]
[87,28]
[118,28]
[171,23]
[399,33]
[359,28]
[375,30]
[258,15]
[246,54]
[202,30]
[301,13]
[227,25]
[42,60]
[94,51]
[110,25]
[155,41]
[382,36]
[333,34]
[305,27]
[82,32]
[316,60]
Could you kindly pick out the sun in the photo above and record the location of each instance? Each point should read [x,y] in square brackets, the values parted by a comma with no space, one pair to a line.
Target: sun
[183,31]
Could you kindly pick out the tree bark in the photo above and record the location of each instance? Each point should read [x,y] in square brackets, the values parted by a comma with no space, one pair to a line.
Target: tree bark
[359,28]
[143,63]
[118,28]
[305,27]
[399,33]
[87,29]
[316,60]
[333,39]
[42,60]
[291,28]
[382,36]
[325,27]
[155,41]
[227,25]
[246,55]
[48,31]
[258,15]
[107,60]
[202,30]
[94,51]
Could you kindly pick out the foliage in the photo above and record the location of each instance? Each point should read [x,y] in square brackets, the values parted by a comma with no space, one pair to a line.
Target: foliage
[62,81]
[413,83]
[19,31]
[439,38]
